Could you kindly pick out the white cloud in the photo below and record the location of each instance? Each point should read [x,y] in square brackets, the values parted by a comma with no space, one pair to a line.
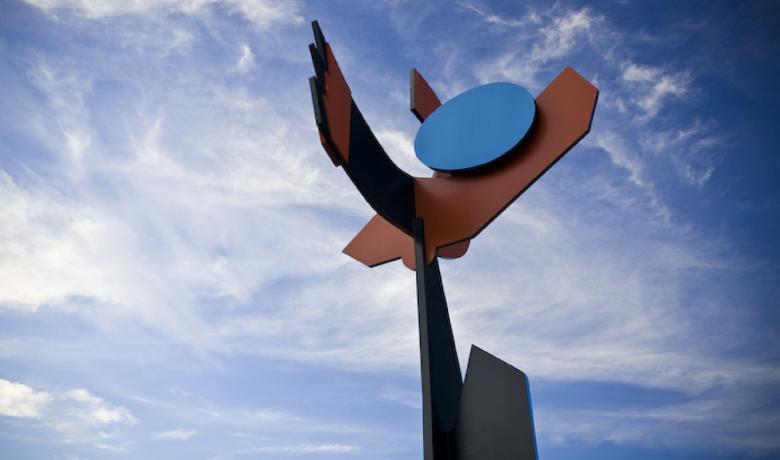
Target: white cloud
[628,103]
[562,35]
[693,150]
[412,399]
[58,247]
[177,435]
[261,13]
[65,92]
[637,73]
[558,34]
[400,146]
[247,60]
[72,457]
[621,156]
[297,449]
[266,12]
[496,19]
[19,400]
[93,410]
[651,87]
[77,414]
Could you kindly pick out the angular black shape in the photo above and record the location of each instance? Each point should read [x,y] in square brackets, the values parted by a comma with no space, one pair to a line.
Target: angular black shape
[440,369]
[319,65]
[319,40]
[495,419]
[316,101]
[385,186]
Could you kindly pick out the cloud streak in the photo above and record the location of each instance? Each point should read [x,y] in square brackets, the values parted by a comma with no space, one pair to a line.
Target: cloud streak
[261,13]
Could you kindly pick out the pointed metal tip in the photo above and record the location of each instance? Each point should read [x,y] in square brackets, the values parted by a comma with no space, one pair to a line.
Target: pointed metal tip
[319,41]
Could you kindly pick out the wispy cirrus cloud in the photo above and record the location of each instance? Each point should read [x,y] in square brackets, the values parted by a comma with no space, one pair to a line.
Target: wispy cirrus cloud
[557,33]
[651,87]
[261,13]
[298,449]
[497,19]
[247,60]
[176,435]
[634,99]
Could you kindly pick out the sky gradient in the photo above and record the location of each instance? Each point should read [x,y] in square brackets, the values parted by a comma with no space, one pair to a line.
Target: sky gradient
[171,277]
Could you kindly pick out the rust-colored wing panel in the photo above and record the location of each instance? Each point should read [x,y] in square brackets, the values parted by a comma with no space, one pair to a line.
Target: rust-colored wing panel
[332,100]
[380,242]
[458,207]
[337,102]
[422,98]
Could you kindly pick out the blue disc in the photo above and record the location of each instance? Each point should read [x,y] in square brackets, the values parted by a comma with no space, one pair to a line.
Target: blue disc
[475,127]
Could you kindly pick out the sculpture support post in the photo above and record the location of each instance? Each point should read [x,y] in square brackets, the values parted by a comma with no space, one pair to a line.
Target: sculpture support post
[487,417]
[440,370]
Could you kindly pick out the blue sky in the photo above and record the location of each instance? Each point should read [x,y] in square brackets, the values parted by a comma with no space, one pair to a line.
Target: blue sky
[171,281]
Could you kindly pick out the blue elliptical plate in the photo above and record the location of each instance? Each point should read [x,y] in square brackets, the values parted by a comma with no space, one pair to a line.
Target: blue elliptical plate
[475,127]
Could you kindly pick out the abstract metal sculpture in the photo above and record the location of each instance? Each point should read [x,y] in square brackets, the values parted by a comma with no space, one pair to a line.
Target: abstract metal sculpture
[487,146]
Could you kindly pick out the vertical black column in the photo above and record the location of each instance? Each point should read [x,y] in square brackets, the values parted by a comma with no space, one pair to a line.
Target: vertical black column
[440,370]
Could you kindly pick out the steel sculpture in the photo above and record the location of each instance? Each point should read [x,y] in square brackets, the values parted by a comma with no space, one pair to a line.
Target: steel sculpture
[486,146]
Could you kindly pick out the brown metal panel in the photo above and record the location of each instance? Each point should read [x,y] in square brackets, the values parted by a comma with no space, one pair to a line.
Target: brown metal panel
[423,100]
[458,207]
[379,242]
[337,101]
[454,251]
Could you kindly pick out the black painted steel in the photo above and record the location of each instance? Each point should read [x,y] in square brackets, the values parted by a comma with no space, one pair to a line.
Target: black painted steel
[440,370]
[318,64]
[319,39]
[316,100]
[386,188]
[494,417]
[489,416]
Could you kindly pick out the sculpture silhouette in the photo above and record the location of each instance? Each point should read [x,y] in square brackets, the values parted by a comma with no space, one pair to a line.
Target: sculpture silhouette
[418,219]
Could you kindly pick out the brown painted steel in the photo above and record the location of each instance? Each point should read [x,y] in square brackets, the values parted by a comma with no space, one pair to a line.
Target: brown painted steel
[337,102]
[379,242]
[456,208]
[454,251]
[423,100]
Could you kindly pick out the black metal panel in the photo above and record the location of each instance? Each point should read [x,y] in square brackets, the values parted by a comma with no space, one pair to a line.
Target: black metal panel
[386,188]
[316,101]
[495,421]
[440,370]
[319,65]
[319,40]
